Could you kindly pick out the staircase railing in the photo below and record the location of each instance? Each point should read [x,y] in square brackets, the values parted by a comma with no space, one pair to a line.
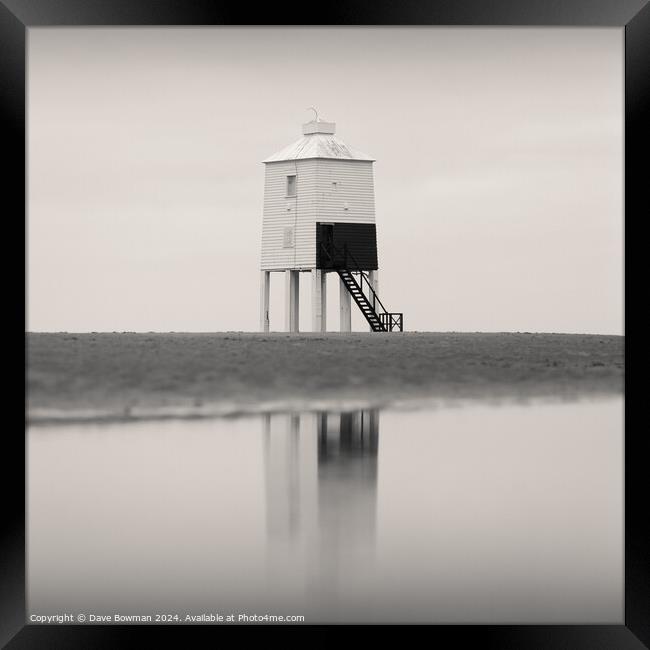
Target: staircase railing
[390,320]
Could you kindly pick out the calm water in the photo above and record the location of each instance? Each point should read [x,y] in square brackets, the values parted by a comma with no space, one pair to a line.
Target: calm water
[470,514]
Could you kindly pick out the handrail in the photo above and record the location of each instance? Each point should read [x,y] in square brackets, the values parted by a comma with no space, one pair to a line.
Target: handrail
[389,320]
[346,254]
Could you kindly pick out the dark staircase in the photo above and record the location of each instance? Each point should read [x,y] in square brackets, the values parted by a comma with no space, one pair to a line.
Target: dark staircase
[361,299]
[358,285]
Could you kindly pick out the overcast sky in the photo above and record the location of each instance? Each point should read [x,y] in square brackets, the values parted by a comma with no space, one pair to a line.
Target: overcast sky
[498,180]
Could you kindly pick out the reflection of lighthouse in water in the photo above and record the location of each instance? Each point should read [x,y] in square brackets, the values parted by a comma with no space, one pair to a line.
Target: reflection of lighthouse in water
[321,495]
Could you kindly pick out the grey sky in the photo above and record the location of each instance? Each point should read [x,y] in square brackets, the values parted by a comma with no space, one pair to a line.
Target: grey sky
[498,179]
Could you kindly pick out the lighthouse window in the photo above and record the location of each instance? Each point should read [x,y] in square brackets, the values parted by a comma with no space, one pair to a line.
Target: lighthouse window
[291,185]
[287,241]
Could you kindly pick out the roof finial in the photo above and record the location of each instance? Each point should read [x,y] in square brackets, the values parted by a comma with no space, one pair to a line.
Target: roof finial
[311,108]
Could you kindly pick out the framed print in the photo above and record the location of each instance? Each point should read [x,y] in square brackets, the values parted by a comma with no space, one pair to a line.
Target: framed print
[325,320]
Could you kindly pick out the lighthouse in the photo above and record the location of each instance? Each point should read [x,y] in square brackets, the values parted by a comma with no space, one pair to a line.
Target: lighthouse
[319,220]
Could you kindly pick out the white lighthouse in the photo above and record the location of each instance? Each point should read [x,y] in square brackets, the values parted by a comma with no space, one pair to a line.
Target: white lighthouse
[319,218]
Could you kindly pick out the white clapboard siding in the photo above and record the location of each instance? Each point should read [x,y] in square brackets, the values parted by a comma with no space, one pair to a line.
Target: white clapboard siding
[327,189]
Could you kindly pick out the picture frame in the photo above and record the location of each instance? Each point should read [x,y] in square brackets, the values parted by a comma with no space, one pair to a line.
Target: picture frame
[632,16]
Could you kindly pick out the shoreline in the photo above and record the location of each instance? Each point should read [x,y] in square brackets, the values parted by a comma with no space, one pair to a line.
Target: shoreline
[127,376]
[53,417]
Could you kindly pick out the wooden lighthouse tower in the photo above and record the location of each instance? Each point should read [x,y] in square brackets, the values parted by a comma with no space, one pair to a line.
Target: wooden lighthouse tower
[319,218]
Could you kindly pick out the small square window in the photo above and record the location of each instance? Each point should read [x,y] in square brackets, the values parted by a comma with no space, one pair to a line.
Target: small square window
[291,185]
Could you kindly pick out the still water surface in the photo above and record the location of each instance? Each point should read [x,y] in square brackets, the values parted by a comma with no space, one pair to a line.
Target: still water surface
[470,514]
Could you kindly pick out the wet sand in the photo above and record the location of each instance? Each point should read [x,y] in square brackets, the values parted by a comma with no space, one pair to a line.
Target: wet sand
[126,375]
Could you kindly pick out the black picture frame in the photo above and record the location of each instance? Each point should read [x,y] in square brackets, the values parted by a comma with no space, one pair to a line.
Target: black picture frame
[16,16]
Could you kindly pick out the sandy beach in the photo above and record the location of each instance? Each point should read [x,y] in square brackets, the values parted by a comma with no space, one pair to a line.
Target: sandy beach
[126,375]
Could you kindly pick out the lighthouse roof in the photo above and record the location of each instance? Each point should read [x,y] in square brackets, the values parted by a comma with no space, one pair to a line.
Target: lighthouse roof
[318,141]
